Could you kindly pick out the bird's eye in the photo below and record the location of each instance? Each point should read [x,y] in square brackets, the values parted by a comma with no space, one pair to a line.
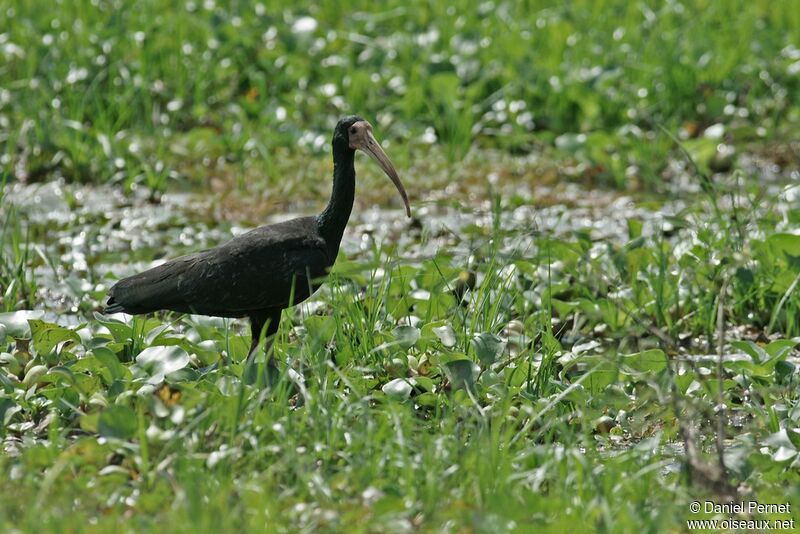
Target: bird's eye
[353,130]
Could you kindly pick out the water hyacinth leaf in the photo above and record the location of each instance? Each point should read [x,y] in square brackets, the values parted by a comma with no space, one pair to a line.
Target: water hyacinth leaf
[426,399]
[757,353]
[488,348]
[605,374]
[425,383]
[117,421]
[635,227]
[794,437]
[780,348]
[794,413]
[160,361]
[406,335]
[785,244]
[461,373]
[88,422]
[398,389]
[60,373]
[784,454]
[33,375]
[648,361]
[320,328]
[111,362]
[10,363]
[7,410]
[779,439]
[120,331]
[187,374]
[446,335]
[784,370]
[16,323]
[47,335]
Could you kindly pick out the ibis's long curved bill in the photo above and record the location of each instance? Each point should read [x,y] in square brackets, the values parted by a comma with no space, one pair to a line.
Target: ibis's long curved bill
[366,141]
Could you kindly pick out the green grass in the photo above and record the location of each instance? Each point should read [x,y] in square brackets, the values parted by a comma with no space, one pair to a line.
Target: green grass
[546,366]
[542,398]
[98,92]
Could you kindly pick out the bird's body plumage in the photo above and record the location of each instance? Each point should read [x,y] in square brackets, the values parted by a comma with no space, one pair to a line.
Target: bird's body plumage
[272,266]
[263,271]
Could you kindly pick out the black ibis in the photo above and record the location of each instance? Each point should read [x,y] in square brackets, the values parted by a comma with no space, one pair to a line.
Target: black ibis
[263,271]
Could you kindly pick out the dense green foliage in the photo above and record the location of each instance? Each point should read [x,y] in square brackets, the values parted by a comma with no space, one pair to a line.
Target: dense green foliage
[140,92]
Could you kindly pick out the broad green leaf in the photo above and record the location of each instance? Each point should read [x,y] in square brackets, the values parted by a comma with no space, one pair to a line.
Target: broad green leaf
[320,328]
[779,439]
[757,353]
[780,348]
[117,421]
[635,227]
[605,374]
[461,373]
[488,348]
[111,362]
[423,382]
[784,370]
[446,335]
[652,361]
[16,323]
[406,336]
[519,374]
[426,399]
[398,389]
[784,454]
[120,332]
[160,361]
[33,375]
[88,422]
[784,243]
[47,335]
[7,410]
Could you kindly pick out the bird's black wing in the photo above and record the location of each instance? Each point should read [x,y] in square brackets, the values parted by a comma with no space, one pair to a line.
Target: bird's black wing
[261,269]
[241,279]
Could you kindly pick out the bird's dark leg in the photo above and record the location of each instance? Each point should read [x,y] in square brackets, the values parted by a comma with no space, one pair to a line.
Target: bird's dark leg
[258,322]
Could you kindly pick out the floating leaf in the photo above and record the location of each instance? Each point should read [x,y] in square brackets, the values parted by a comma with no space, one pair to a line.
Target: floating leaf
[110,360]
[648,361]
[461,373]
[784,370]
[117,421]
[398,389]
[751,349]
[16,323]
[33,375]
[406,336]
[446,335]
[784,243]
[47,335]
[488,348]
[780,348]
[160,361]
[7,410]
[120,331]
[605,374]
[784,454]
[779,439]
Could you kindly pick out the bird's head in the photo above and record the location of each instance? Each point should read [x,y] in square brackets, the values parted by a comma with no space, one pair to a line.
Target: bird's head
[355,133]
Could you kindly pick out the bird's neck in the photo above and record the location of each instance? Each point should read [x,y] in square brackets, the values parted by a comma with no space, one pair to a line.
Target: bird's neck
[333,220]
